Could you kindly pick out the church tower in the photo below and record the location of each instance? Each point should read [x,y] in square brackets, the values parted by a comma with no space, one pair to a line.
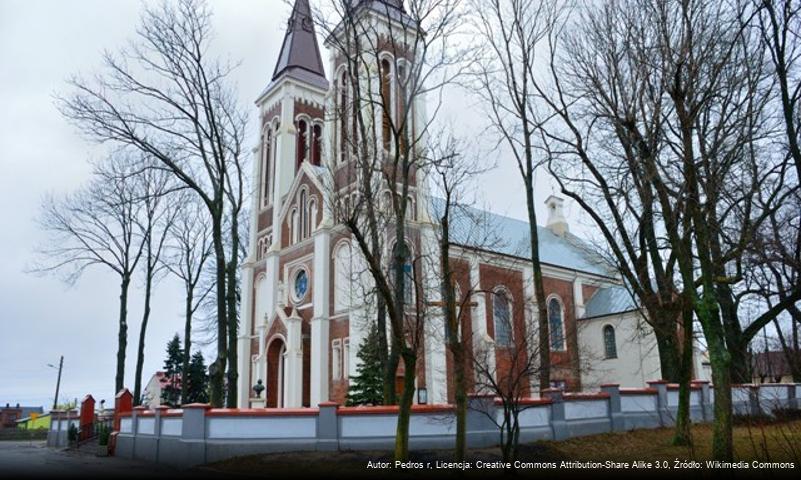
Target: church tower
[277,284]
[373,113]
[292,109]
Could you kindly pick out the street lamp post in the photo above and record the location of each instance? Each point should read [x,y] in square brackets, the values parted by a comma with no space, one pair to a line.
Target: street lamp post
[58,382]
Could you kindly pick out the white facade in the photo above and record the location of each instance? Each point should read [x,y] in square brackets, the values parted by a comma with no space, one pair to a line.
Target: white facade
[636,359]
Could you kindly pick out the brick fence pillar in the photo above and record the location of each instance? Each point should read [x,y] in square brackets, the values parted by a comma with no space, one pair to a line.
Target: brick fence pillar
[123,403]
[616,420]
[328,427]
[480,429]
[754,408]
[159,412]
[706,402]
[558,421]
[138,410]
[87,419]
[193,433]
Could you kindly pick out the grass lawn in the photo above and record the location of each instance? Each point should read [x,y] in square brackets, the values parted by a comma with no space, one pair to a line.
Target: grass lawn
[773,442]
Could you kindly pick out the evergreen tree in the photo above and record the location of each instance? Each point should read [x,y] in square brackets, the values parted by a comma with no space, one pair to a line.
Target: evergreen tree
[367,386]
[171,393]
[197,380]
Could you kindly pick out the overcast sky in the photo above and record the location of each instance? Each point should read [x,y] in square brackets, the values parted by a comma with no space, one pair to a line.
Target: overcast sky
[42,43]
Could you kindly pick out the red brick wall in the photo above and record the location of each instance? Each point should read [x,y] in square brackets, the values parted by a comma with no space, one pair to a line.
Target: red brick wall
[270,114]
[493,277]
[461,271]
[265,218]
[313,111]
[338,389]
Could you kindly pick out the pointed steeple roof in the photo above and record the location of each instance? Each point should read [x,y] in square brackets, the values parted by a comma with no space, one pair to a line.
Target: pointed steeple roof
[394,3]
[300,54]
[391,8]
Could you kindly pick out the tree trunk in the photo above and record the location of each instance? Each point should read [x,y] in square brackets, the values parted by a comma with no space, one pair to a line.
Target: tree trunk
[544,345]
[666,343]
[735,341]
[460,396]
[387,374]
[140,354]
[233,330]
[790,354]
[683,434]
[187,340]
[393,359]
[721,378]
[122,334]
[405,407]
[506,433]
[217,369]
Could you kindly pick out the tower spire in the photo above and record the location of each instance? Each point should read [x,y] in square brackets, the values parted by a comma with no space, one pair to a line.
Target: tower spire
[300,54]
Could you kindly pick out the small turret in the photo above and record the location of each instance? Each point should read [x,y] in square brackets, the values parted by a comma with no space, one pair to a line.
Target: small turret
[556,215]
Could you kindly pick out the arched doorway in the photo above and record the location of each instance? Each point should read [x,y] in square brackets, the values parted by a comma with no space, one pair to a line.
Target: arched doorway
[276,360]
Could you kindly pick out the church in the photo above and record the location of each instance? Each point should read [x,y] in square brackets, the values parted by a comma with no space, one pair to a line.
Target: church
[303,317]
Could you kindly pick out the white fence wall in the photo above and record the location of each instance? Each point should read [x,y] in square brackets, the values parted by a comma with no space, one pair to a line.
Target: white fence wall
[199,434]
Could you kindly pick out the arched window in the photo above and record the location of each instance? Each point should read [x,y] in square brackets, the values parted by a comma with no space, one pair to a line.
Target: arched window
[385,204]
[386,101]
[402,118]
[265,165]
[346,358]
[304,214]
[316,144]
[342,278]
[261,291]
[346,206]
[502,318]
[556,325]
[343,116]
[408,276]
[312,216]
[294,226]
[411,210]
[610,344]
[336,359]
[301,143]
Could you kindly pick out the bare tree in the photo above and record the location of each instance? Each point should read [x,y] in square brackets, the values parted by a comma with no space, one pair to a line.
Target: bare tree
[779,252]
[378,162]
[689,133]
[152,187]
[507,383]
[780,27]
[513,32]
[187,254]
[164,96]
[95,227]
[454,171]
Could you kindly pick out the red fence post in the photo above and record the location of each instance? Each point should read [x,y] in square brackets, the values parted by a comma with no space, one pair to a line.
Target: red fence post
[123,403]
[87,419]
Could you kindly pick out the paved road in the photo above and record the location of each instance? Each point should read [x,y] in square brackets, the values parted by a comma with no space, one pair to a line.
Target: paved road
[33,459]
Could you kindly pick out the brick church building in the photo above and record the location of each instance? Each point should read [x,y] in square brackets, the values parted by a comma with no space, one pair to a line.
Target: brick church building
[304,317]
